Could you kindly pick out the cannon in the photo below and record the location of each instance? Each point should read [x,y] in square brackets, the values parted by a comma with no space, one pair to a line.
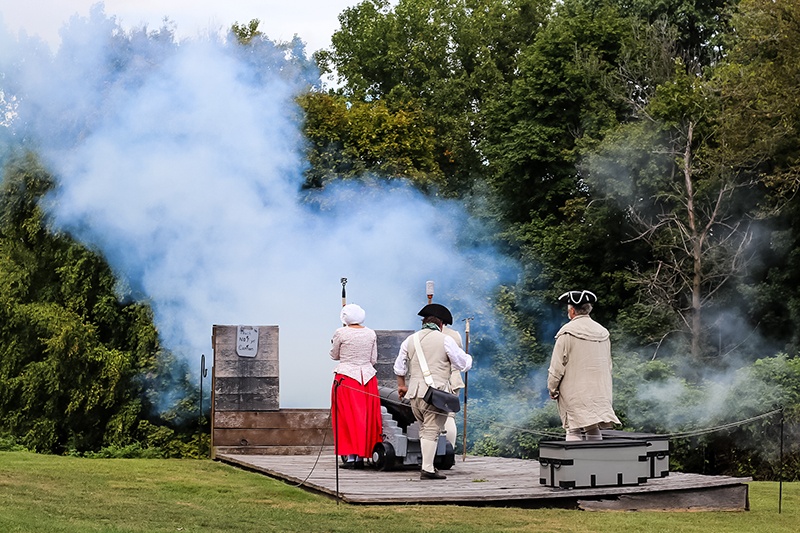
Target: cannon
[400,446]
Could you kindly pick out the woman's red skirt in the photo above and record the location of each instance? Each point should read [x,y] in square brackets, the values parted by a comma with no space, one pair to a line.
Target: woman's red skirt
[355,416]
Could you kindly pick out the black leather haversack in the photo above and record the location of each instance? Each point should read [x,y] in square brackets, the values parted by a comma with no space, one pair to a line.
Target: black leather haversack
[445,401]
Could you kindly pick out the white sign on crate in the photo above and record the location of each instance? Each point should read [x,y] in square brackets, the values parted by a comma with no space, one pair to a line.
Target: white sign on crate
[247,341]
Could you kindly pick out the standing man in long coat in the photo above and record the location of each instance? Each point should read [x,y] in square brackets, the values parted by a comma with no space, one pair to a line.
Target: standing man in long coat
[579,377]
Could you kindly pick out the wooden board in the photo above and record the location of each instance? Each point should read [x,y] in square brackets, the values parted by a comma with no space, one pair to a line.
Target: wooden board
[287,431]
[271,437]
[285,418]
[726,498]
[493,481]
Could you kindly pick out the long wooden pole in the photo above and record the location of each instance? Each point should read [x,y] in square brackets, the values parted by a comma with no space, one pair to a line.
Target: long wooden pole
[336,408]
[466,380]
[780,474]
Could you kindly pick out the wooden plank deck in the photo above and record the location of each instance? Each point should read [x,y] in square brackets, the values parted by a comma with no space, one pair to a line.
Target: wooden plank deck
[494,481]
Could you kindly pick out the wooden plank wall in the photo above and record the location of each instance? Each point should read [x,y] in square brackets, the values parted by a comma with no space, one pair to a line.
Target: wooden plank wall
[282,432]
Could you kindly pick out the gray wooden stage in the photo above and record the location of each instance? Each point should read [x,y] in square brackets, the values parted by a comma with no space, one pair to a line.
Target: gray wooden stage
[495,481]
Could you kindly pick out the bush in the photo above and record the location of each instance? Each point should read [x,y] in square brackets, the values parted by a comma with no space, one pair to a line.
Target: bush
[9,444]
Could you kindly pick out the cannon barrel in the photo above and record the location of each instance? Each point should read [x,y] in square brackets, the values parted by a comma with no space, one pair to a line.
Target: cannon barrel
[399,409]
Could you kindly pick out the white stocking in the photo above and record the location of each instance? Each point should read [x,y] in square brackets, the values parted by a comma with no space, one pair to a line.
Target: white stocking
[428,454]
[574,434]
[451,431]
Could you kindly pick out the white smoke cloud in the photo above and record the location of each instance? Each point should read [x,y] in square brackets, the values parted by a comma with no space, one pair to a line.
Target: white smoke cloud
[182,163]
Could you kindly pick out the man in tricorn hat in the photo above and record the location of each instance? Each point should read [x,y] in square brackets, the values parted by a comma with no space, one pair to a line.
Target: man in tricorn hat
[456,381]
[579,377]
[441,354]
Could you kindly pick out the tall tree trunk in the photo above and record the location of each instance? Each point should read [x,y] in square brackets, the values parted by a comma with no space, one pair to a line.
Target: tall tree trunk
[696,241]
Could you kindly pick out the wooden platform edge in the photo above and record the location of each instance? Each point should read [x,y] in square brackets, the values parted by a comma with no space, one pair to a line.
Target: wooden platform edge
[678,492]
[728,498]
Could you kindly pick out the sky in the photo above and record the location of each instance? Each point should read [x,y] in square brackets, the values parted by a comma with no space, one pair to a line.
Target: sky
[314,21]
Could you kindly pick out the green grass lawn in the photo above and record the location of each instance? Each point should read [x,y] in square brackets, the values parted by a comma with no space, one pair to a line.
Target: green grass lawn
[43,493]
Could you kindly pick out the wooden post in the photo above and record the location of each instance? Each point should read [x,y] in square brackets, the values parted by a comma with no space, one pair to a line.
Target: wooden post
[466,381]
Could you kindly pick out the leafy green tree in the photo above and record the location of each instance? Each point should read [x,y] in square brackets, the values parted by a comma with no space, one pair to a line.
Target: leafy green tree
[700,26]
[709,140]
[562,100]
[245,33]
[630,147]
[558,98]
[443,58]
[662,178]
[683,200]
[759,86]
[70,351]
[351,139]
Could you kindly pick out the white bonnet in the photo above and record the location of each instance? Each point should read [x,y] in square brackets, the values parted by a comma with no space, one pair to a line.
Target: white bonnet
[353,314]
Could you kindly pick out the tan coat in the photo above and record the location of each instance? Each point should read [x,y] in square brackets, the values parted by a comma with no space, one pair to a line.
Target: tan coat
[580,372]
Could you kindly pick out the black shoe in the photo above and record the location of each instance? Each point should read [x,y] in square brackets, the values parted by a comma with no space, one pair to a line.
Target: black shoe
[353,465]
[431,475]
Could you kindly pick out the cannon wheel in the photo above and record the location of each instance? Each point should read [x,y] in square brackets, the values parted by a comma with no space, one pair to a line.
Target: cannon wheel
[446,461]
[383,456]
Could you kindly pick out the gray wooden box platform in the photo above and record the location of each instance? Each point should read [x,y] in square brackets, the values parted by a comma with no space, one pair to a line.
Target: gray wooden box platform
[602,463]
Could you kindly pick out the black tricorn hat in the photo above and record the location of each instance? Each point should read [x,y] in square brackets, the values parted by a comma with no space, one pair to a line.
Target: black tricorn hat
[437,310]
[577,297]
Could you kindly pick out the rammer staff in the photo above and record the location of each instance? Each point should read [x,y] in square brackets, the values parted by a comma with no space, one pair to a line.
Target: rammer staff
[466,377]
[336,406]
[429,290]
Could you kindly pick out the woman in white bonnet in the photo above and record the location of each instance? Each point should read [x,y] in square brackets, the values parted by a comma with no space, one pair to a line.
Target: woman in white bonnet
[355,404]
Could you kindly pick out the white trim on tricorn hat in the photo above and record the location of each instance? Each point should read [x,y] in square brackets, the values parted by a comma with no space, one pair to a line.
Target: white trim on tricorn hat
[578,297]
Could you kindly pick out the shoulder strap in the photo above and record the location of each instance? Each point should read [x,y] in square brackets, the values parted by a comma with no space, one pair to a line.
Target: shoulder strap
[423,364]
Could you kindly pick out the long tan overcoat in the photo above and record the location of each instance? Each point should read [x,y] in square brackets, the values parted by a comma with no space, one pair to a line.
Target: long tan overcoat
[580,372]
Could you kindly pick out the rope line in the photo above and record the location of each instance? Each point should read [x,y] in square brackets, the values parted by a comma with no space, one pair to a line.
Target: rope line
[548,433]
[722,427]
[543,433]
[560,433]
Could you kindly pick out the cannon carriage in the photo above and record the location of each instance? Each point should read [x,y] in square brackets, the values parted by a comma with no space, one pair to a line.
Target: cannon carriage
[400,446]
